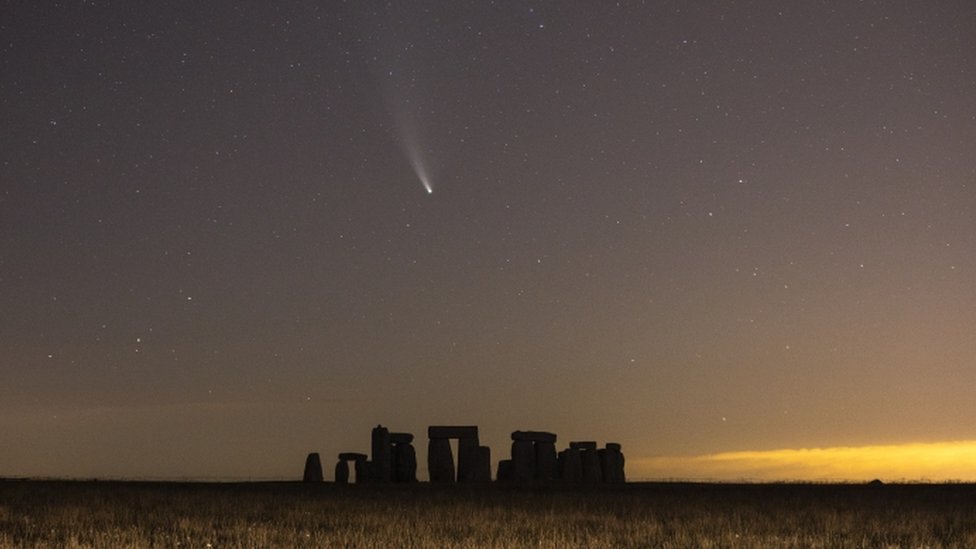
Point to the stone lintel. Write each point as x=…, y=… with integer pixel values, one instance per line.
x=401, y=438
x=534, y=436
x=583, y=445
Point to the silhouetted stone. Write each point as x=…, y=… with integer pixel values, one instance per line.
x=545, y=460
x=467, y=469
x=401, y=438
x=361, y=467
x=459, y=432
x=483, y=470
x=534, y=436
x=505, y=473
x=313, y=468
x=362, y=471
x=584, y=445
x=618, y=465
x=875, y=483
x=393, y=463
x=382, y=464
x=612, y=463
x=523, y=461
x=440, y=460
x=405, y=463
x=570, y=465
x=342, y=472
x=592, y=471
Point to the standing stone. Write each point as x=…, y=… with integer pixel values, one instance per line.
x=570, y=465
x=592, y=471
x=393, y=463
x=440, y=460
x=402, y=471
x=612, y=463
x=523, y=461
x=545, y=461
x=342, y=472
x=620, y=465
x=362, y=471
x=504, y=471
x=483, y=470
x=382, y=464
x=467, y=469
x=313, y=468
x=405, y=460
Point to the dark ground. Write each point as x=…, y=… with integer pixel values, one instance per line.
x=35, y=513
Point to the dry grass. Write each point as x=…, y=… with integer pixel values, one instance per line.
x=118, y=514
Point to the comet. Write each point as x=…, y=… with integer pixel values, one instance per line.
x=403, y=74
x=413, y=152
x=424, y=178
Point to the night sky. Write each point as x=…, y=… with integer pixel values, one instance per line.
x=688, y=227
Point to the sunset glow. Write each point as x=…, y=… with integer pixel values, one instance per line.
x=922, y=461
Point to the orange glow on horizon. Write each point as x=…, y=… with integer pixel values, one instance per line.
x=928, y=461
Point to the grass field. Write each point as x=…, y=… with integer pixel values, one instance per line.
x=145, y=514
